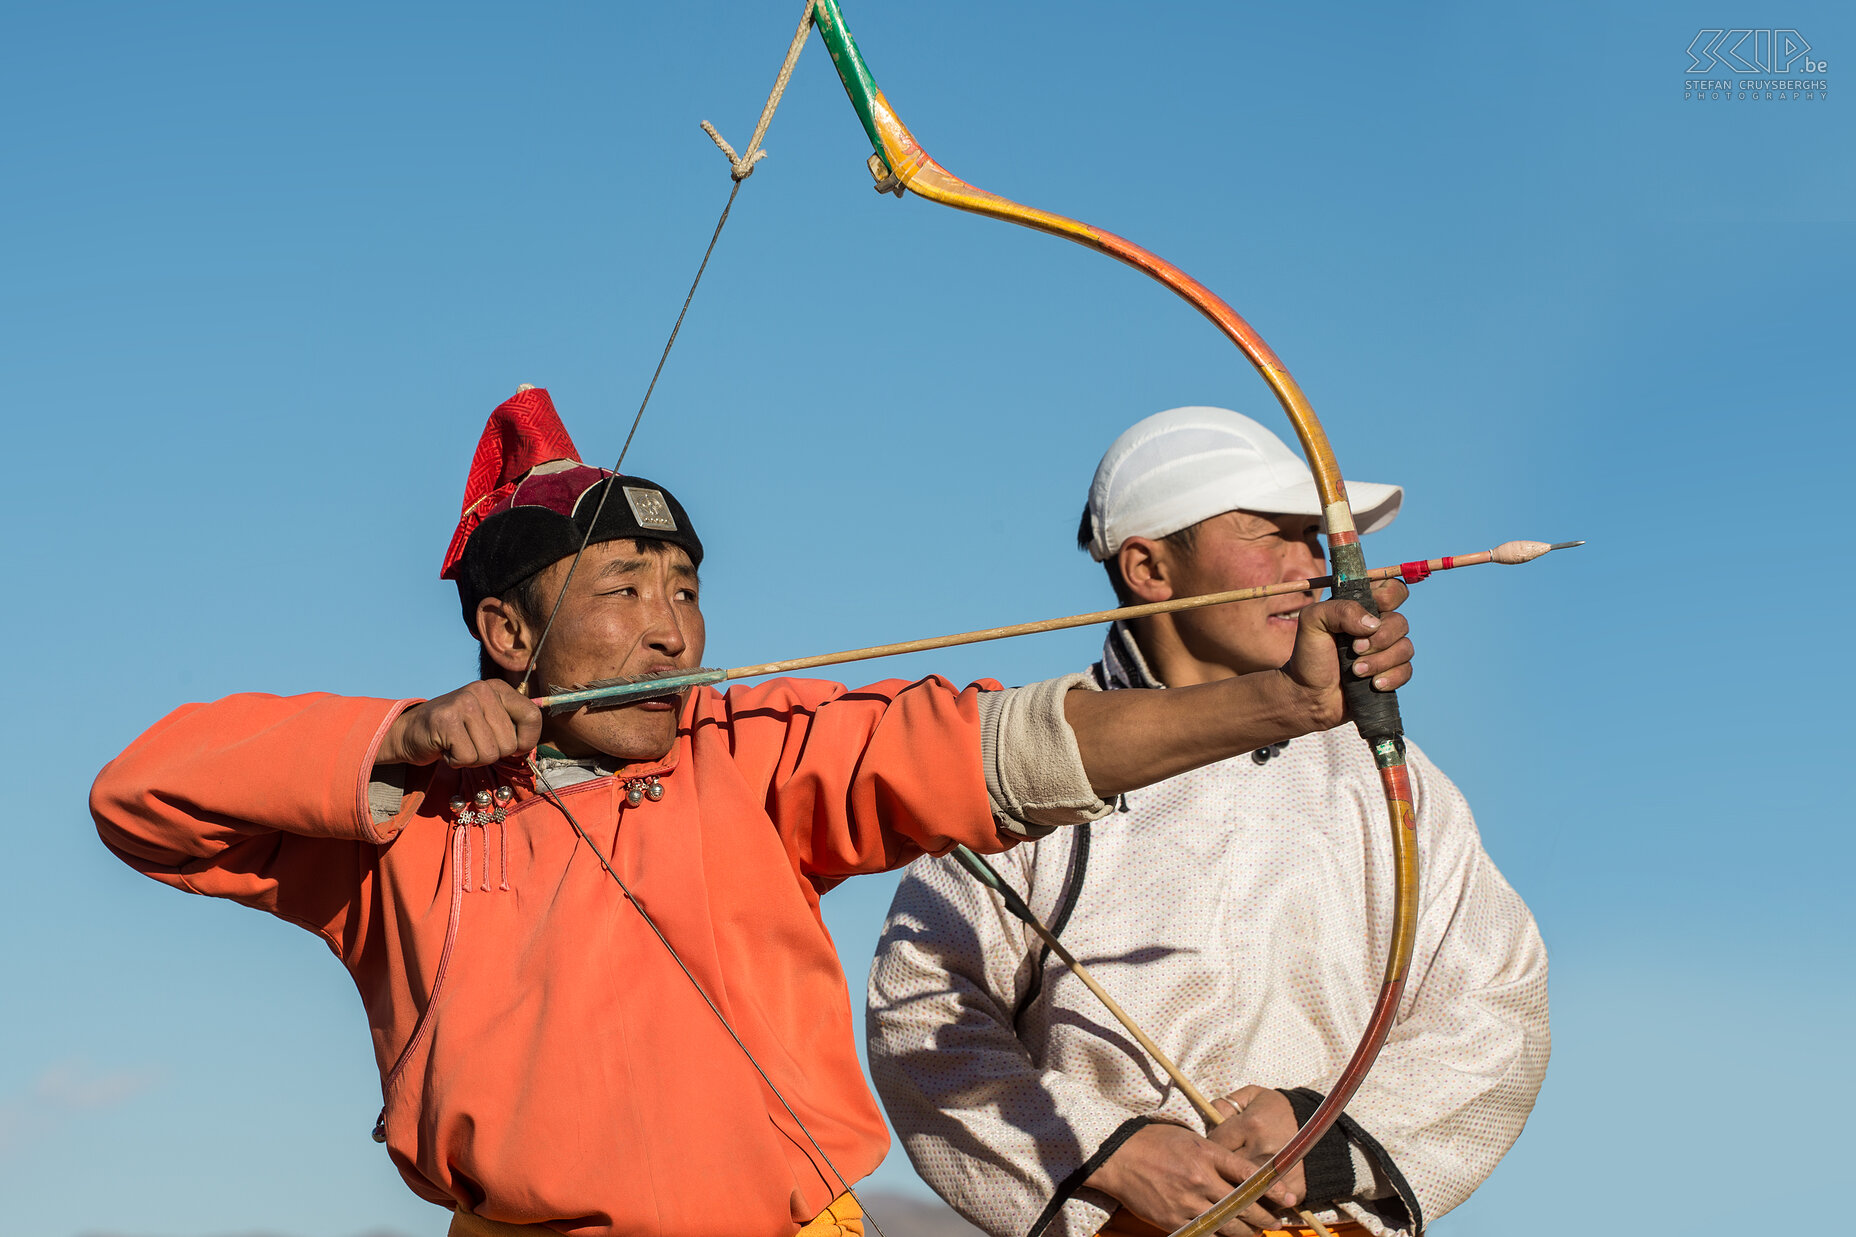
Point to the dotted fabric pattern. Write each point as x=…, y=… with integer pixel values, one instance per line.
x=1241, y=914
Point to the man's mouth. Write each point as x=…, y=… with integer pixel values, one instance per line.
x=644, y=704
x=656, y=704
x=665, y=702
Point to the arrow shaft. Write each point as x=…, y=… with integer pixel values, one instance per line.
x=1512, y=552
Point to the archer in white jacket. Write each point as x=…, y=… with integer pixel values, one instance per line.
x=1240, y=913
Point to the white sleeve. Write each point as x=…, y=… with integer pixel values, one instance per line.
x=1460, y=1070
x=996, y=1136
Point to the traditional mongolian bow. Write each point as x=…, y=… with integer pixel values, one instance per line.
x=899, y=163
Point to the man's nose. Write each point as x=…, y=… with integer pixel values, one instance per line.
x=1304, y=560
x=665, y=633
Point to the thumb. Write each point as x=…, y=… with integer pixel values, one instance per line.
x=522, y=712
x=1315, y=663
x=1338, y=619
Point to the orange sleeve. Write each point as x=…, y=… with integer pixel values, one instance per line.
x=866, y=779
x=260, y=799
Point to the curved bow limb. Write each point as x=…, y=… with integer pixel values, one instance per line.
x=914, y=169
x=906, y=165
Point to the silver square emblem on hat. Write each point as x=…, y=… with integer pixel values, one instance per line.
x=650, y=509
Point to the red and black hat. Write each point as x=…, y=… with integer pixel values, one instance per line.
x=529, y=501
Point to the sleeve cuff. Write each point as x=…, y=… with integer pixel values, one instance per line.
x=1071, y=1188
x=382, y=798
x=1034, y=772
x=386, y=791
x=1328, y=1168
x=1368, y=1182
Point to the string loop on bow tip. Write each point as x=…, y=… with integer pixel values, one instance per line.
x=741, y=166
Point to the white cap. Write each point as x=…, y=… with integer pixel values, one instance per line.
x=1184, y=465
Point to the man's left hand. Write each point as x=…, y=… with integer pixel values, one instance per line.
x=1257, y=1122
x=1131, y=739
x=1382, y=643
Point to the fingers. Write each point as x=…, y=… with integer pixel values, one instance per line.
x=1231, y=1133
x=1167, y=1175
x=1390, y=670
x=1326, y=622
x=1315, y=667
x=1352, y=619
x=482, y=723
x=1385, y=655
x=1243, y=1097
x=1389, y=595
x=522, y=712
x=1236, y=1169
x=1238, y=1228
x=1383, y=644
x=472, y=739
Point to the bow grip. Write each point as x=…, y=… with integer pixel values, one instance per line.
x=1374, y=712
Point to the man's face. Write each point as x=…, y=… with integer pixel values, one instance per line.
x=631, y=609
x=1238, y=549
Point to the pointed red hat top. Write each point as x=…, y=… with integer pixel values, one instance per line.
x=523, y=431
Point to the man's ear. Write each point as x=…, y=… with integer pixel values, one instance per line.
x=1146, y=569
x=504, y=633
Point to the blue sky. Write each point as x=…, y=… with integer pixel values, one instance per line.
x=267, y=268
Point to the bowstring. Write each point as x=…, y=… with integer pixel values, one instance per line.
x=742, y=167
x=599, y=508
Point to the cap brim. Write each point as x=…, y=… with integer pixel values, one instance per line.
x=1374, y=503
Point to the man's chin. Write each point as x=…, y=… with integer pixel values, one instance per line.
x=630, y=736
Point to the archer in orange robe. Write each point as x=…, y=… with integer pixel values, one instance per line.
x=543, y=1057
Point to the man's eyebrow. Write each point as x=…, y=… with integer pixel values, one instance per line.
x=626, y=566
x=622, y=566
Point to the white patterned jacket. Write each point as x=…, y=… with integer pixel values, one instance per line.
x=1240, y=914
